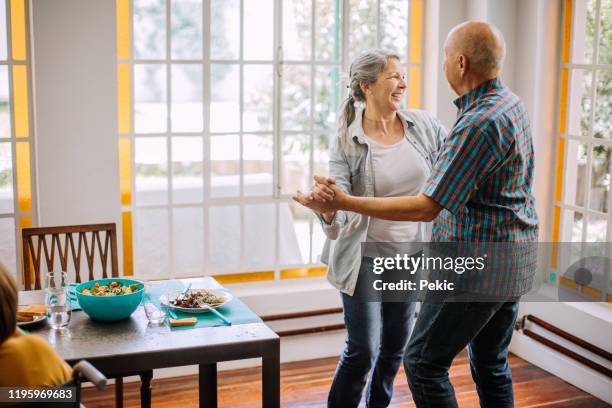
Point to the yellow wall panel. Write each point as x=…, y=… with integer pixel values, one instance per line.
x=414, y=88
x=244, y=277
x=125, y=171
x=18, y=30
x=24, y=185
x=563, y=100
x=416, y=31
x=20, y=101
x=123, y=29
x=128, y=255
x=555, y=236
x=559, y=172
x=124, y=96
x=303, y=272
x=567, y=31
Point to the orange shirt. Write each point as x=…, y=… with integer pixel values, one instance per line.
x=29, y=361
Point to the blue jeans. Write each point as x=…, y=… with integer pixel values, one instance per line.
x=377, y=333
x=441, y=332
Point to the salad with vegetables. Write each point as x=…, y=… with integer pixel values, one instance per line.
x=112, y=289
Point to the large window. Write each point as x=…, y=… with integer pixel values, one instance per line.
x=582, y=209
x=226, y=107
x=16, y=141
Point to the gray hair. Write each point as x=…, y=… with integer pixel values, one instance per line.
x=366, y=67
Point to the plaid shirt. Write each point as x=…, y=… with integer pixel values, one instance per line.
x=484, y=173
x=483, y=177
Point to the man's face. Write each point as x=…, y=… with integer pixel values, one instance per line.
x=451, y=70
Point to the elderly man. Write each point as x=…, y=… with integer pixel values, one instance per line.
x=480, y=190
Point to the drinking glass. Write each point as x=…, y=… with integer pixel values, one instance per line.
x=57, y=300
x=155, y=312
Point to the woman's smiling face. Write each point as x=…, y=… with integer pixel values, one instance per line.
x=387, y=92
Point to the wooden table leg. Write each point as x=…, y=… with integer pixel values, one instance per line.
x=119, y=392
x=145, y=389
x=208, y=385
x=270, y=376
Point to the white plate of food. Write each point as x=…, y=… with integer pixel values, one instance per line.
x=196, y=300
x=24, y=321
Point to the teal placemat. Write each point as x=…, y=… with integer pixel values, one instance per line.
x=235, y=311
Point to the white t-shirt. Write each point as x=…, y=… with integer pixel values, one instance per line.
x=399, y=170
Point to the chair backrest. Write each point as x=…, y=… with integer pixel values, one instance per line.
x=36, y=242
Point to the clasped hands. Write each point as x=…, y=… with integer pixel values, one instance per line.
x=324, y=197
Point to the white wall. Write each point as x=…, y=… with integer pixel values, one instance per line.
x=75, y=92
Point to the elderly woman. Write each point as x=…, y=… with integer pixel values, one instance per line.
x=26, y=361
x=380, y=151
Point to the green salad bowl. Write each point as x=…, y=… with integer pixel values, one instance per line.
x=110, y=308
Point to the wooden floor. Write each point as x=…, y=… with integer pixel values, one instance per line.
x=306, y=383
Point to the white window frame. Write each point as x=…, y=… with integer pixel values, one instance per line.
x=278, y=64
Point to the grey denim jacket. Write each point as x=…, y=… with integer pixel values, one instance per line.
x=350, y=163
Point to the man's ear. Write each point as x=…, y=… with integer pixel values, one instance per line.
x=462, y=63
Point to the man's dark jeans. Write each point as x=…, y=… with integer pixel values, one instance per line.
x=441, y=332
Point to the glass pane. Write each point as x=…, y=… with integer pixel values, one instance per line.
x=363, y=26
x=225, y=98
x=225, y=29
x=327, y=97
x=7, y=244
x=297, y=15
x=296, y=97
x=188, y=241
x=575, y=173
x=187, y=178
x=257, y=114
x=3, y=29
x=580, y=102
x=583, y=31
x=318, y=241
x=224, y=238
x=596, y=229
x=605, y=32
x=294, y=241
x=321, y=155
x=257, y=163
x=149, y=29
x=600, y=178
x=151, y=242
x=151, y=170
x=394, y=27
x=150, y=107
x=258, y=29
x=5, y=110
x=224, y=166
x=602, y=125
x=6, y=178
x=186, y=29
x=572, y=226
x=327, y=26
x=259, y=236
x=187, y=107
x=295, y=164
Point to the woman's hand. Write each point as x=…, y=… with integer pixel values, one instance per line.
x=324, y=202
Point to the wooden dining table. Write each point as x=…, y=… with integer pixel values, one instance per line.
x=132, y=346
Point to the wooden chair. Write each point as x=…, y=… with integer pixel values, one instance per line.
x=32, y=254
x=71, y=242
